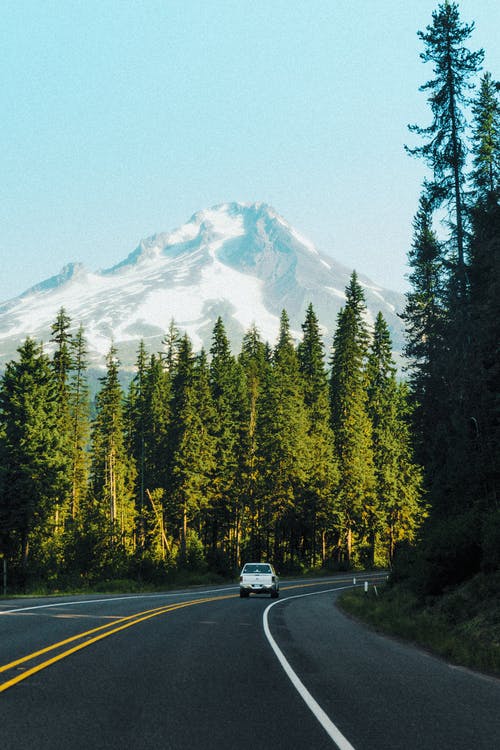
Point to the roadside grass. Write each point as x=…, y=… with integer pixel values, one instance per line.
x=462, y=625
x=169, y=580
x=177, y=580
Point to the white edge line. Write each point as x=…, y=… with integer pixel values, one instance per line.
x=111, y=598
x=325, y=721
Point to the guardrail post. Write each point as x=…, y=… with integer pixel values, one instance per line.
x=366, y=587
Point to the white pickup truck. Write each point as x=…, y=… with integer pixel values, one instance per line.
x=259, y=578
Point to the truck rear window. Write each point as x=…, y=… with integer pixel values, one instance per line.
x=257, y=569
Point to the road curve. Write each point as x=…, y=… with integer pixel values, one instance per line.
x=379, y=692
x=195, y=670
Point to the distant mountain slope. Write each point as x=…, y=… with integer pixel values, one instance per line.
x=243, y=262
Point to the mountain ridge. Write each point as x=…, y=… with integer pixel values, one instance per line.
x=242, y=261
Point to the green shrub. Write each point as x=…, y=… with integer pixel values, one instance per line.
x=462, y=625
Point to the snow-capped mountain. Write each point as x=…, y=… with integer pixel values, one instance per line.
x=243, y=262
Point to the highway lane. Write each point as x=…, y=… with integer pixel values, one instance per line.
x=198, y=677
x=380, y=692
x=204, y=676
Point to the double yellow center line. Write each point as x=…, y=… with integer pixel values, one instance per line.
x=103, y=632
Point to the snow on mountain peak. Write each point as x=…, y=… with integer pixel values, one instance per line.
x=242, y=261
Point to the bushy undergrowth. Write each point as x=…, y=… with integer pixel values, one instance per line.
x=174, y=579
x=462, y=625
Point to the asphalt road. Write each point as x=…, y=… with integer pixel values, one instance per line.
x=196, y=671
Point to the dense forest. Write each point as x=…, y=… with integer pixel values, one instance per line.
x=306, y=458
x=207, y=460
x=452, y=313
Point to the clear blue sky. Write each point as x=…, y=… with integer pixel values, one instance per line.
x=121, y=118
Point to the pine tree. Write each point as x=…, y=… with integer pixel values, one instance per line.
x=205, y=442
x=61, y=359
x=445, y=150
x=352, y=428
x=426, y=320
x=398, y=478
x=311, y=360
x=486, y=141
x=147, y=420
x=445, y=380
x=283, y=450
x=224, y=382
x=171, y=342
x=255, y=364
x=442, y=354
x=136, y=426
x=62, y=365
x=79, y=408
x=191, y=443
x=157, y=397
x=32, y=463
x=323, y=470
x=112, y=472
x=484, y=395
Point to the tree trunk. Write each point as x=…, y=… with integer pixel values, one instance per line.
x=349, y=543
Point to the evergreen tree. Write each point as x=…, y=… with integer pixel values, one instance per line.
x=112, y=472
x=484, y=395
x=486, y=141
x=351, y=427
x=136, y=426
x=31, y=459
x=485, y=287
x=79, y=408
x=147, y=421
x=424, y=314
x=255, y=364
x=445, y=150
x=398, y=479
x=158, y=414
x=191, y=443
x=283, y=450
x=448, y=379
x=61, y=359
x=171, y=342
x=323, y=470
x=157, y=396
x=226, y=395
x=62, y=365
x=311, y=360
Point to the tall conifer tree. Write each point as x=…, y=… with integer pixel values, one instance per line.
x=136, y=428
x=283, y=448
x=351, y=426
x=112, y=470
x=398, y=478
x=447, y=384
x=32, y=462
x=254, y=361
x=486, y=141
x=224, y=388
x=62, y=364
x=191, y=442
x=445, y=150
x=322, y=470
x=426, y=319
x=79, y=405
